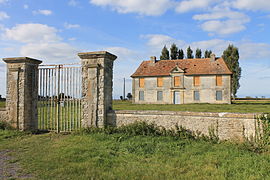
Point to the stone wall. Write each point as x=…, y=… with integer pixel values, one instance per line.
x=231, y=126
x=3, y=114
x=207, y=90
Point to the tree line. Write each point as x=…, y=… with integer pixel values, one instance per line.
x=230, y=56
x=176, y=53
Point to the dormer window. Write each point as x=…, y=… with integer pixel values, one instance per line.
x=176, y=81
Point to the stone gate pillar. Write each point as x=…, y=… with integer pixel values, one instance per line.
x=97, y=75
x=22, y=92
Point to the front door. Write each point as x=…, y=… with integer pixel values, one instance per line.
x=176, y=99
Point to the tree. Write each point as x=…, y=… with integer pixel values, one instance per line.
x=174, y=51
x=189, y=53
x=198, y=53
x=129, y=96
x=165, y=54
x=207, y=54
x=180, y=54
x=231, y=57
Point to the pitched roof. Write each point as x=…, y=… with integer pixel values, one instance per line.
x=190, y=66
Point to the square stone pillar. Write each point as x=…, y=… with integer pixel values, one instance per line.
x=97, y=75
x=22, y=92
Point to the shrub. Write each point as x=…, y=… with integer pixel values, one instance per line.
x=4, y=125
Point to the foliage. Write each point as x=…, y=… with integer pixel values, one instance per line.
x=198, y=53
x=207, y=53
x=180, y=54
x=165, y=55
x=174, y=51
x=129, y=96
x=231, y=57
x=5, y=126
x=189, y=53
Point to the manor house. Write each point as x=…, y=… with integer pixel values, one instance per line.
x=206, y=80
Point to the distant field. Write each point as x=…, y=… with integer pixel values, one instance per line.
x=235, y=107
x=2, y=104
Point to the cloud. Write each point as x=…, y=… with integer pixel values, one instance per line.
x=222, y=22
x=71, y=26
x=188, y=5
x=45, y=12
x=32, y=33
x=252, y=5
x=40, y=41
x=3, y=15
x=142, y=7
x=25, y=6
x=3, y=1
x=73, y=3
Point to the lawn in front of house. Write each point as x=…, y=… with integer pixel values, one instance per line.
x=235, y=107
x=119, y=156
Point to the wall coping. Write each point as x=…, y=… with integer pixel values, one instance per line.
x=22, y=60
x=188, y=113
x=97, y=54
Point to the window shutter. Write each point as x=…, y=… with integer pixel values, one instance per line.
x=141, y=82
x=159, y=81
x=196, y=80
x=176, y=81
x=219, y=80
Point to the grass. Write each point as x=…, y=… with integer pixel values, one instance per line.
x=119, y=156
x=236, y=107
x=2, y=104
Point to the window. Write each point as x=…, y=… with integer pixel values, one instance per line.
x=141, y=82
x=218, y=80
x=141, y=95
x=176, y=81
x=159, y=82
x=159, y=95
x=196, y=95
x=196, y=80
x=219, y=95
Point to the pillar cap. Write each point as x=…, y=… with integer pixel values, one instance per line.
x=22, y=60
x=97, y=54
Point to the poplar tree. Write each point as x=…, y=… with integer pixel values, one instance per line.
x=189, y=53
x=165, y=54
x=231, y=57
x=207, y=53
x=174, y=51
x=198, y=53
x=180, y=54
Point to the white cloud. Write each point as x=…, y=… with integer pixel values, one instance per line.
x=253, y=5
x=222, y=22
x=143, y=7
x=3, y=15
x=73, y=3
x=40, y=41
x=32, y=33
x=122, y=52
x=3, y=1
x=45, y=12
x=25, y=6
x=71, y=26
x=188, y=5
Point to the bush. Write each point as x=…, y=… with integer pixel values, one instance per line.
x=5, y=126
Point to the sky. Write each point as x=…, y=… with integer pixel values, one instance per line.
x=54, y=31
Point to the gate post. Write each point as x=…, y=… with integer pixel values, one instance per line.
x=22, y=92
x=97, y=75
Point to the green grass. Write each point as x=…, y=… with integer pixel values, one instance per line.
x=2, y=104
x=118, y=156
x=236, y=107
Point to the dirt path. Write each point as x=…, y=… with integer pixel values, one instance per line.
x=10, y=169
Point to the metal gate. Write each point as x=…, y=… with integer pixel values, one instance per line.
x=59, y=97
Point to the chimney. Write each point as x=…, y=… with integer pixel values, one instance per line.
x=153, y=59
x=212, y=57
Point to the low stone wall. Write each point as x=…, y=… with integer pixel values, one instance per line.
x=3, y=114
x=233, y=126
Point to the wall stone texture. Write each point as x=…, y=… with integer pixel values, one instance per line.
x=227, y=126
x=3, y=114
x=97, y=75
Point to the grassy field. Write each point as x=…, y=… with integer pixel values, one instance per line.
x=236, y=107
x=119, y=156
x=2, y=104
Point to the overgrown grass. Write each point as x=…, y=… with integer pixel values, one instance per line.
x=138, y=151
x=236, y=107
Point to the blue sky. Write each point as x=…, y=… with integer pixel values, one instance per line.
x=56, y=30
